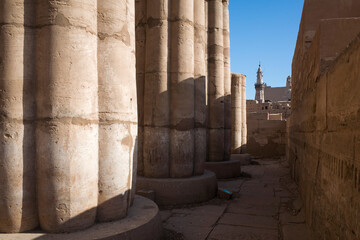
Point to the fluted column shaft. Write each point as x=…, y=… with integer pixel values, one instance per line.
x=243, y=115
x=140, y=29
x=174, y=109
x=236, y=113
x=67, y=90
x=216, y=81
x=227, y=81
x=67, y=113
x=117, y=107
x=156, y=140
x=182, y=89
x=200, y=78
x=18, y=210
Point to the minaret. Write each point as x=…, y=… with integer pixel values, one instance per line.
x=288, y=82
x=259, y=86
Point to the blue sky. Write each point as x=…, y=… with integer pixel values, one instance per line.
x=266, y=31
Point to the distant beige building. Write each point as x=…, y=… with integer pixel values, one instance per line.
x=283, y=108
x=271, y=100
x=266, y=93
x=266, y=115
x=278, y=94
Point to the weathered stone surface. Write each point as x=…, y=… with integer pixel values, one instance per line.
x=174, y=139
x=216, y=93
x=227, y=81
x=245, y=159
x=323, y=127
x=143, y=220
x=180, y=191
x=194, y=223
x=243, y=233
x=182, y=98
x=225, y=169
x=243, y=115
x=83, y=77
x=236, y=112
x=249, y=221
x=117, y=109
x=175, y=88
x=140, y=33
x=256, y=210
x=282, y=108
x=17, y=115
x=67, y=113
x=156, y=109
x=266, y=138
x=201, y=84
x=296, y=232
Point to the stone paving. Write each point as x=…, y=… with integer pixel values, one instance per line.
x=263, y=207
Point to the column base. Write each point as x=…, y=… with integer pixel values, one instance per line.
x=180, y=191
x=244, y=158
x=225, y=169
x=142, y=222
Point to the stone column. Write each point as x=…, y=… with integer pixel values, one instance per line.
x=216, y=81
x=156, y=92
x=200, y=76
x=140, y=30
x=18, y=211
x=243, y=115
x=117, y=107
x=182, y=89
x=227, y=81
x=236, y=113
x=174, y=102
x=67, y=113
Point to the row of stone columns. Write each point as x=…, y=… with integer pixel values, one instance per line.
x=68, y=119
x=184, y=86
x=171, y=45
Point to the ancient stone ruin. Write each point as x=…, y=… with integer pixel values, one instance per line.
x=266, y=118
x=109, y=109
x=68, y=103
x=172, y=100
x=323, y=127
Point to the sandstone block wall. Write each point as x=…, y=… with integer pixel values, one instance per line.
x=283, y=108
x=68, y=113
x=323, y=128
x=266, y=137
x=313, y=13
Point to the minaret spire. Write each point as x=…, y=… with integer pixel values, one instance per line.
x=259, y=79
x=259, y=85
